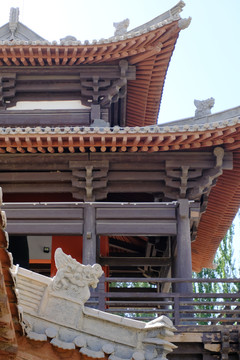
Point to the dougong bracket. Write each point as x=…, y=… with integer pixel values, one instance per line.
x=89, y=179
x=7, y=87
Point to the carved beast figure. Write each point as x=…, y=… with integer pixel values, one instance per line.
x=204, y=106
x=121, y=27
x=74, y=279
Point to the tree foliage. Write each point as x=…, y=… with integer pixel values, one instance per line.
x=224, y=269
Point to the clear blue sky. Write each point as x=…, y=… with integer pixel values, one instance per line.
x=206, y=58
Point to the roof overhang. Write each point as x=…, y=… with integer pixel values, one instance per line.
x=148, y=47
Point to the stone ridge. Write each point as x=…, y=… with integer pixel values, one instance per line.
x=158, y=22
x=152, y=129
x=56, y=318
x=153, y=138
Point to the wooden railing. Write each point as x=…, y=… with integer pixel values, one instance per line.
x=131, y=298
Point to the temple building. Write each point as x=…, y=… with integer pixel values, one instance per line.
x=95, y=190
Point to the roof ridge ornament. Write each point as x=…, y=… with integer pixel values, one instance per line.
x=13, y=21
x=121, y=27
x=67, y=38
x=204, y=107
x=184, y=23
x=175, y=10
x=74, y=279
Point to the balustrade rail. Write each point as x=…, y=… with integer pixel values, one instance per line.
x=147, y=298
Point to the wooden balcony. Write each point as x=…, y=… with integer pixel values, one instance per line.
x=142, y=299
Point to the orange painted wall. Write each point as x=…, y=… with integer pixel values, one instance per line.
x=71, y=245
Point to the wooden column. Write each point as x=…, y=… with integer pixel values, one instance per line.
x=182, y=262
x=89, y=235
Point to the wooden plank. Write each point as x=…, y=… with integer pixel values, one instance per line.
x=122, y=245
x=136, y=304
x=43, y=205
x=136, y=213
x=44, y=213
x=134, y=261
x=45, y=117
x=135, y=227
x=56, y=73
x=36, y=188
x=211, y=311
x=173, y=158
x=119, y=162
x=89, y=235
x=44, y=228
x=136, y=295
x=142, y=310
x=190, y=337
x=221, y=320
x=136, y=186
x=136, y=175
x=27, y=177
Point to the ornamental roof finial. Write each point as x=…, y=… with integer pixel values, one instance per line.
x=121, y=27
x=204, y=107
x=13, y=21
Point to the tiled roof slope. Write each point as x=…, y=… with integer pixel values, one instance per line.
x=223, y=204
x=154, y=138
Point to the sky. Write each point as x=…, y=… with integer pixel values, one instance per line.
x=206, y=60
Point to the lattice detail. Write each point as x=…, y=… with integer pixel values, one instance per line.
x=7, y=87
x=104, y=91
x=187, y=181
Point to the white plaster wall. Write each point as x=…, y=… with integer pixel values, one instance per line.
x=36, y=244
x=48, y=105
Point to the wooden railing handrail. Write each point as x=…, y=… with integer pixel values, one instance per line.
x=184, y=309
x=171, y=280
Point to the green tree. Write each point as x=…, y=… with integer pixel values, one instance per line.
x=224, y=269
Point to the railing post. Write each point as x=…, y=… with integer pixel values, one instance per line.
x=101, y=293
x=176, y=310
x=89, y=235
x=182, y=261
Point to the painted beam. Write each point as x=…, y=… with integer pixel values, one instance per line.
x=134, y=261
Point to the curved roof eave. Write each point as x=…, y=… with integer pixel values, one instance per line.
x=223, y=204
x=148, y=47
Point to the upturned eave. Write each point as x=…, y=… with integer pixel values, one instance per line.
x=149, y=49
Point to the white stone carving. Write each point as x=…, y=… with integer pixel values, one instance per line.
x=92, y=353
x=121, y=27
x=138, y=355
x=108, y=349
x=51, y=332
x=62, y=344
x=13, y=21
x=80, y=341
x=37, y=337
x=67, y=38
x=74, y=279
x=204, y=107
x=184, y=23
x=62, y=321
